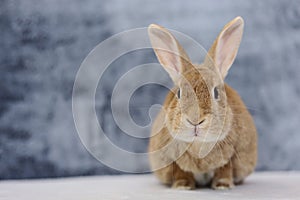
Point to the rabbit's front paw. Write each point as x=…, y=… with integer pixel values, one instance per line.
x=222, y=184
x=184, y=184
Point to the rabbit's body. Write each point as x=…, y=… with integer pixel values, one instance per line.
x=205, y=133
x=238, y=149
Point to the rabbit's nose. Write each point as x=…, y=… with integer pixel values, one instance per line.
x=195, y=123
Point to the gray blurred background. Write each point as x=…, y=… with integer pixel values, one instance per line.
x=43, y=42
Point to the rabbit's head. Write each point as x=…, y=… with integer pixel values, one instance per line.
x=197, y=109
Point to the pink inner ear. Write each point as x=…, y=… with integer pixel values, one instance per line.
x=227, y=48
x=167, y=51
x=169, y=59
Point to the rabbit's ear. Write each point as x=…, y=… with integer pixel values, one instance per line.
x=168, y=51
x=225, y=47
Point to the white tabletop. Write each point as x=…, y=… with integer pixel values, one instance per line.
x=261, y=185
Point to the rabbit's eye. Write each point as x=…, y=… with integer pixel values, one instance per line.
x=216, y=93
x=178, y=94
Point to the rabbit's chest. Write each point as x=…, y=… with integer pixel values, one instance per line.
x=196, y=165
x=203, y=179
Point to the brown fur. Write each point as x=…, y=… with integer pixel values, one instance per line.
x=228, y=153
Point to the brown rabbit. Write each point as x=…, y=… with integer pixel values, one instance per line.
x=204, y=133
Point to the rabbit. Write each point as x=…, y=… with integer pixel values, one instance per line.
x=203, y=135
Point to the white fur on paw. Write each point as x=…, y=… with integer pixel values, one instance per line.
x=183, y=185
x=223, y=184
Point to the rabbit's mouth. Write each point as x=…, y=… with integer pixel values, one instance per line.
x=199, y=134
x=189, y=134
x=197, y=131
